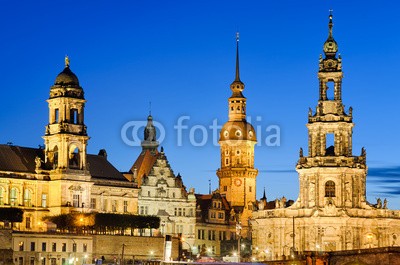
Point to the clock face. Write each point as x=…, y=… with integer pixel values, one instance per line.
x=238, y=182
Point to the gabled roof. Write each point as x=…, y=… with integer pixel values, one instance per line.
x=22, y=160
x=143, y=164
x=19, y=159
x=204, y=202
x=100, y=167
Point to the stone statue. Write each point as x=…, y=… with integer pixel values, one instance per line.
x=66, y=61
x=363, y=152
x=38, y=162
x=379, y=203
x=385, y=203
x=309, y=112
x=301, y=152
x=283, y=202
x=350, y=111
x=277, y=204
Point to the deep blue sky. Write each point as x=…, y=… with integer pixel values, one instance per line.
x=180, y=55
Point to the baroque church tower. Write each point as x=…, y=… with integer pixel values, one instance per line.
x=330, y=174
x=237, y=175
x=66, y=137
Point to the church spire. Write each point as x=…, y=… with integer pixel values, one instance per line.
x=330, y=45
x=237, y=78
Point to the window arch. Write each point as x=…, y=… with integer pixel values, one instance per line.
x=330, y=189
x=55, y=156
x=74, y=158
x=27, y=198
x=13, y=197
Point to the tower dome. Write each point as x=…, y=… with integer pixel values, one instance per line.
x=66, y=84
x=67, y=78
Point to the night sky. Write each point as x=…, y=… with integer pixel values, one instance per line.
x=180, y=56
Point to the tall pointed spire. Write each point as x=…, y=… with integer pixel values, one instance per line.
x=330, y=25
x=330, y=45
x=237, y=78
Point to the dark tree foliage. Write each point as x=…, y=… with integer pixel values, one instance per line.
x=103, y=222
x=13, y=215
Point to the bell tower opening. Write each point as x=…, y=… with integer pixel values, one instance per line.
x=74, y=161
x=330, y=90
x=329, y=144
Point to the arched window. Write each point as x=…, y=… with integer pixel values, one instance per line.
x=74, y=159
x=55, y=157
x=330, y=189
x=27, y=198
x=13, y=197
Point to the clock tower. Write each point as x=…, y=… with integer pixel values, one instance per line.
x=237, y=175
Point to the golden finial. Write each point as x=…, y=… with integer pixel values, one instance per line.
x=66, y=61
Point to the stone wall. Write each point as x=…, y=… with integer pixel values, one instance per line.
x=138, y=248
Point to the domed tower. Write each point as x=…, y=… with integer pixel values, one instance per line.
x=330, y=174
x=237, y=176
x=66, y=137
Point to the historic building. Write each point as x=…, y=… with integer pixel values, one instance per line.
x=162, y=193
x=331, y=212
x=215, y=224
x=237, y=175
x=61, y=177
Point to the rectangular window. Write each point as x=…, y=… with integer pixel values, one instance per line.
x=56, y=115
x=54, y=247
x=179, y=211
x=93, y=203
x=125, y=206
x=225, y=188
x=74, y=247
x=64, y=247
x=220, y=215
x=200, y=234
x=44, y=200
x=190, y=212
x=44, y=261
x=32, y=261
x=250, y=188
x=32, y=246
x=75, y=200
x=142, y=210
x=74, y=116
x=212, y=215
x=84, y=247
x=176, y=211
x=44, y=246
x=28, y=222
x=184, y=211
